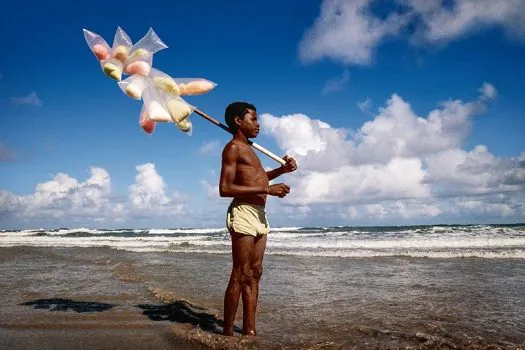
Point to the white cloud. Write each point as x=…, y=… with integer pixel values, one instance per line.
x=212, y=191
x=440, y=23
x=31, y=99
x=66, y=198
x=62, y=196
x=336, y=84
x=210, y=148
x=488, y=91
x=349, y=31
x=477, y=172
x=398, y=131
x=365, y=105
x=148, y=194
x=398, y=165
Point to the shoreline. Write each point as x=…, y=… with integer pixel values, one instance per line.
x=102, y=298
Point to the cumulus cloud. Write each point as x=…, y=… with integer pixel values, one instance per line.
x=336, y=84
x=31, y=99
x=442, y=23
x=350, y=31
x=398, y=164
x=347, y=31
x=148, y=195
x=64, y=197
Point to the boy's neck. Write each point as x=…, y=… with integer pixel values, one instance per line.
x=239, y=136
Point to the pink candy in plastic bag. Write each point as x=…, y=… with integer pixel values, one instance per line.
x=140, y=58
x=133, y=86
x=194, y=86
x=145, y=122
x=140, y=66
x=97, y=44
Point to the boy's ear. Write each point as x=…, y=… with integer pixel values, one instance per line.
x=237, y=120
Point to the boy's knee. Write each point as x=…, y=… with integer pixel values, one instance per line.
x=245, y=273
x=257, y=271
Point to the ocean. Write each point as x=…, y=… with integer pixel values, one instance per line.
x=446, y=286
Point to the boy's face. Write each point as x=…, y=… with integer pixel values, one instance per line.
x=249, y=125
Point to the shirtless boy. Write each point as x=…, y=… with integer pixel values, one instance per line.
x=244, y=179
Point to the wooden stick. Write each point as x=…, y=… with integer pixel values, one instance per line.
x=253, y=144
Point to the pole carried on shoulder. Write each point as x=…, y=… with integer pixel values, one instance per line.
x=253, y=144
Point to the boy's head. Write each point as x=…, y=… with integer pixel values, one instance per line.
x=236, y=110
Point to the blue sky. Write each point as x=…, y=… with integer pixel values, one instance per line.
x=357, y=91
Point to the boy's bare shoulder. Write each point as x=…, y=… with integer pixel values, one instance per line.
x=233, y=150
x=235, y=146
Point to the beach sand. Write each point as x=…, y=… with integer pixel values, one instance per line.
x=102, y=298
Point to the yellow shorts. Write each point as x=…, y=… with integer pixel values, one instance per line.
x=247, y=219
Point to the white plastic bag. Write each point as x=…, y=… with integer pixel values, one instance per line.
x=114, y=65
x=97, y=44
x=149, y=42
x=194, y=86
x=139, y=63
x=133, y=86
x=155, y=105
x=140, y=58
x=145, y=122
x=185, y=126
x=164, y=82
x=121, y=45
x=112, y=68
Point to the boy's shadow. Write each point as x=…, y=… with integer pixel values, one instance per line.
x=179, y=311
x=183, y=312
x=59, y=304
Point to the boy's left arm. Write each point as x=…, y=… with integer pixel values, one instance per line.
x=288, y=167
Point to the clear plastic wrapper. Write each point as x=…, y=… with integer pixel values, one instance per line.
x=154, y=105
x=177, y=107
x=97, y=44
x=164, y=82
x=140, y=66
x=185, y=126
x=133, y=86
x=145, y=122
x=121, y=45
x=112, y=68
x=149, y=42
x=194, y=86
x=141, y=54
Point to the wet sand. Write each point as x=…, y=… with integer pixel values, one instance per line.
x=102, y=298
x=58, y=302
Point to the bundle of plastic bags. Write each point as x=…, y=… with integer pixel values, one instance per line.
x=160, y=93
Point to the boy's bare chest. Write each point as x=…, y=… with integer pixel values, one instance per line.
x=250, y=169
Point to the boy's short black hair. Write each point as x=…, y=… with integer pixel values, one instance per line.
x=236, y=109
